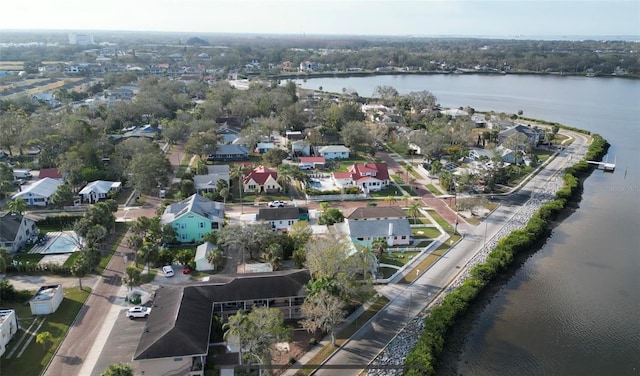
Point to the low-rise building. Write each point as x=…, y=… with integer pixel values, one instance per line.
x=194, y=217
x=263, y=180
x=46, y=300
x=99, y=190
x=281, y=219
x=16, y=230
x=38, y=193
x=333, y=152
x=9, y=326
x=366, y=176
x=367, y=224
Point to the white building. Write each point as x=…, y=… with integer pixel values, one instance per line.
x=8, y=328
x=98, y=190
x=202, y=264
x=16, y=230
x=38, y=193
x=46, y=300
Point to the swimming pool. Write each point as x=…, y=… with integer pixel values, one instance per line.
x=65, y=242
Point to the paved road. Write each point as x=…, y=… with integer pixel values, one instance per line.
x=367, y=343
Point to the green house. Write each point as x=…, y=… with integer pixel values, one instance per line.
x=194, y=217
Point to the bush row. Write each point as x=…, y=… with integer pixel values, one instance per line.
x=423, y=358
x=545, y=122
x=59, y=220
x=38, y=267
x=348, y=190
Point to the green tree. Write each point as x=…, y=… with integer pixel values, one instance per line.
x=149, y=171
x=273, y=255
x=44, y=338
x=414, y=209
x=330, y=216
x=214, y=257
x=202, y=144
x=323, y=311
x=256, y=332
x=251, y=239
x=63, y=195
x=379, y=246
x=17, y=205
x=390, y=200
x=119, y=369
x=185, y=256
x=273, y=157
x=133, y=277
x=81, y=267
x=357, y=136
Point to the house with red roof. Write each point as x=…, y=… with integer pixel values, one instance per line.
x=263, y=180
x=52, y=173
x=311, y=162
x=366, y=176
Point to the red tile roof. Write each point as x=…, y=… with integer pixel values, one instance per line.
x=260, y=175
x=312, y=160
x=341, y=175
x=52, y=173
x=377, y=171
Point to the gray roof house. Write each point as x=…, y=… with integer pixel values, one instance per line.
x=177, y=333
x=229, y=153
x=534, y=135
x=38, y=193
x=370, y=223
x=207, y=183
x=281, y=219
x=16, y=230
x=194, y=217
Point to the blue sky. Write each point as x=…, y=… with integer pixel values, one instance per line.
x=360, y=17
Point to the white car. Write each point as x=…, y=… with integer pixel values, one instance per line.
x=168, y=271
x=137, y=312
x=276, y=204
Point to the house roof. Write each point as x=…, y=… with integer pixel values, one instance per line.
x=44, y=187
x=9, y=226
x=312, y=160
x=194, y=204
x=380, y=170
x=379, y=228
x=277, y=214
x=218, y=169
x=177, y=323
x=231, y=150
x=52, y=173
x=265, y=145
x=260, y=175
x=202, y=249
x=382, y=212
x=99, y=186
x=333, y=149
x=342, y=175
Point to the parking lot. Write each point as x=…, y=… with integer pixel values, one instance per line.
x=121, y=344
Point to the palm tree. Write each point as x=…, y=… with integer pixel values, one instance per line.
x=285, y=176
x=236, y=326
x=18, y=205
x=379, y=246
x=414, y=209
x=390, y=200
x=273, y=255
x=214, y=257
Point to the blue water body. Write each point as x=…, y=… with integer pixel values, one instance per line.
x=573, y=308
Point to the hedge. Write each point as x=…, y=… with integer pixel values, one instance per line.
x=423, y=358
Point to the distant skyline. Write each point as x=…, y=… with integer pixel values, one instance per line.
x=509, y=19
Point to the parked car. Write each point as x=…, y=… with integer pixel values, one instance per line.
x=168, y=271
x=306, y=167
x=186, y=270
x=138, y=312
x=276, y=204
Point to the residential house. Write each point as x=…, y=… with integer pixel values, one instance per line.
x=16, y=230
x=200, y=259
x=99, y=190
x=300, y=148
x=367, y=224
x=263, y=180
x=294, y=135
x=9, y=326
x=309, y=66
x=209, y=182
x=38, y=193
x=454, y=113
x=194, y=217
x=229, y=153
x=333, y=152
x=263, y=147
x=281, y=219
x=46, y=300
x=480, y=153
x=366, y=176
x=229, y=133
x=312, y=162
x=535, y=135
x=178, y=331
x=287, y=66
x=509, y=156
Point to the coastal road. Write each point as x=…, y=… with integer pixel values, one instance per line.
x=371, y=339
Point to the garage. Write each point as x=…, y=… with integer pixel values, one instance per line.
x=46, y=300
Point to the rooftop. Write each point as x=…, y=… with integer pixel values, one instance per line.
x=46, y=293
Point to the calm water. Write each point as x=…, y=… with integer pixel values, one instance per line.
x=573, y=308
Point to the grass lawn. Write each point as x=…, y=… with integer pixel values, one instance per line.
x=345, y=333
x=444, y=224
x=429, y=260
x=398, y=258
x=432, y=188
x=389, y=191
x=31, y=258
x=425, y=232
x=36, y=356
x=387, y=272
x=409, y=190
x=397, y=179
x=148, y=277
x=542, y=154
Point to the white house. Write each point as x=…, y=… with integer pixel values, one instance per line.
x=366, y=176
x=263, y=147
x=300, y=147
x=99, y=189
x=16, y=230
x=38, y=193
x=262, y=179
x=201, y=257
x=46, y=300
x=280, y=219
x=8, y=327
x=333, y=152
x=311, y=162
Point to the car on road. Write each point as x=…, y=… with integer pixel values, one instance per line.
x=276, y=204
x=168, y=271
x=138, y=312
